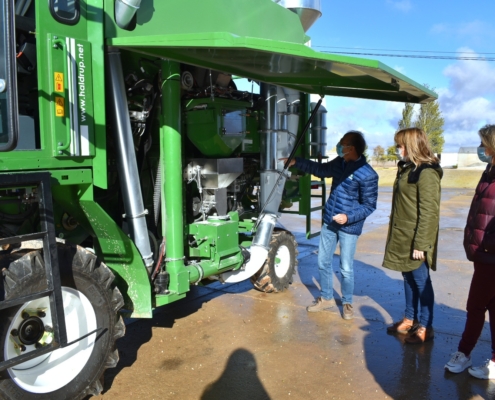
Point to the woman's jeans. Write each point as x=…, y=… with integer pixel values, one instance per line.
x=328, y=244
x=480, y=299
x=419, y=291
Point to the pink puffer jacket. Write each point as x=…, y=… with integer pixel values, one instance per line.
x=479, y=234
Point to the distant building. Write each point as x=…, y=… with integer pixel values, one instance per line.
x=449, y=160
x=468, y=158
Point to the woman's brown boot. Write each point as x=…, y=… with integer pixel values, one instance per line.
x=403, y=326
x=421, y=335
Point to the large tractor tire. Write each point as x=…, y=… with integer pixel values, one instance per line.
x=277, y=272
x=90, y=302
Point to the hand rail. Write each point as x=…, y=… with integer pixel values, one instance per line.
x=56, y=44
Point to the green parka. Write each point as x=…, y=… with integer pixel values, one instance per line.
x=415, y=216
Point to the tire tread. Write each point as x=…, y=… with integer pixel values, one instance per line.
x=265, y=280
x=27, y=269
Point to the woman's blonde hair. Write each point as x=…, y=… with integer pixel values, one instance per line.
x=487, y=135
x=416, y=143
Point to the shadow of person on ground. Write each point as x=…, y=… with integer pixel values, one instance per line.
x=239, y=380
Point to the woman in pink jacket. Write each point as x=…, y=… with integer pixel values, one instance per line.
x=479, y=243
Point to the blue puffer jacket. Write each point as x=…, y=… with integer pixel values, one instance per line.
x=354, y=191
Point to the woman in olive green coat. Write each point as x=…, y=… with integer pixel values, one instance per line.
x=413, y=231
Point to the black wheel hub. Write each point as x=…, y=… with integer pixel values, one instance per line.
x=31, y=330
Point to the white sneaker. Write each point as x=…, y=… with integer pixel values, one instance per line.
x=485, y=371
x=459, y=362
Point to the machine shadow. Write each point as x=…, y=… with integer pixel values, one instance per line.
x=139, y=332
x=239, y=380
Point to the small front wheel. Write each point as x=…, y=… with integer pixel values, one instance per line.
x=276, y=273
x=90, y=302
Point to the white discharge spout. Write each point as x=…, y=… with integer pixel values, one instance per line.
x=258, y=258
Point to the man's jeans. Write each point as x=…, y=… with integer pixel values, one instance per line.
x=418, y=289
x=328, y=244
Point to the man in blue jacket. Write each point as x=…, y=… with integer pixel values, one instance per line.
x=352, y=198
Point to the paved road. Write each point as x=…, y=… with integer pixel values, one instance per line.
x=232, y=342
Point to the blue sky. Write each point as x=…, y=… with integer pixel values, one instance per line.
x=466, y=88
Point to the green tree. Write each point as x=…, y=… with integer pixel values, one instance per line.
x=379, y=154
x=407, y=114
x=431, y=121
x=391, y=154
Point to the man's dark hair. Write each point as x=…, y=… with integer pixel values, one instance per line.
x=357, y=140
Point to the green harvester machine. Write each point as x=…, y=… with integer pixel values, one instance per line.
x=133, y=167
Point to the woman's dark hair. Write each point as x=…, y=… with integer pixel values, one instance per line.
x=357, y=140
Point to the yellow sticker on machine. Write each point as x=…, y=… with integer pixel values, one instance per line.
x=59, y=106
x=59, y=81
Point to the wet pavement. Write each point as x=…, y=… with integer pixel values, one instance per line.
x=232, y=342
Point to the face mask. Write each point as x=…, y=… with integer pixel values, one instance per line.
x=340, y=150
x=399, y=155
x=482, y=156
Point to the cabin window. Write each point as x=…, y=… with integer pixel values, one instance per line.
x=65, y=11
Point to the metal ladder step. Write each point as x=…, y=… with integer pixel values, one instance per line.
x=40, y=181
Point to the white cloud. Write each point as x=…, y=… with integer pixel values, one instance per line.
x=403, y=5
x=470, y=78
x=469, y=101
x=376, y=119
x=477, y=31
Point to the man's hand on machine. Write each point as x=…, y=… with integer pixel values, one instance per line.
x=292, y=162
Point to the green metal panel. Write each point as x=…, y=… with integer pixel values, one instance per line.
x=72, y=97
x=71, y=177
x=251, y=143
x=51, y=33
x=217, y=241
x=214, y=238
x=222, y=264
x=171, y=159
x=245, y=47
x=113, y=246
x=207, y=126
x=95, y=19
x=117, y=251
x=163, y=299
x=305, y=191
x=25, y=160
x=244, y=18
x=54, y=129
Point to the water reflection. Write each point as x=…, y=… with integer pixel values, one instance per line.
x=407, y=371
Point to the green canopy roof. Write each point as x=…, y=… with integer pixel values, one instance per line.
x=260, y=40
